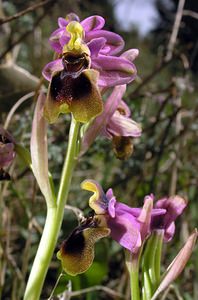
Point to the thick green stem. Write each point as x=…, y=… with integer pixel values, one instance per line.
x=68, y=165
x=134, y=282
x=53, y=222
x=133, y=262
x=148, y=274
x=43, y=256
x=151, y=264
x=157, y=262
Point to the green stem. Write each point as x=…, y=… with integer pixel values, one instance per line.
x=133, y=264
x=134, y=282
x=151, y=264
x=68, y=165
x=148, y=274
x=53, y=222
x=157, y=262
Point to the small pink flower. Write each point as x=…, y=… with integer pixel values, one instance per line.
x=114, y=123
x=174, y=207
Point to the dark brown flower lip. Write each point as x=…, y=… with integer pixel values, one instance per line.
x=63, y=86
x=76, y=240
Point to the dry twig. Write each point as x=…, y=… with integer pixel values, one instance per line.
x=175, y=30
x=24, y=12
x=105, y=289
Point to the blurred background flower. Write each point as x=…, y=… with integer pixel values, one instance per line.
x=7, y=152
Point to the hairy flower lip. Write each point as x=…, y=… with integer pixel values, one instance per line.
x=77, y=251
x=76, y=93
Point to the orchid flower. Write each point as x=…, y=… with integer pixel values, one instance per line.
x=85, y=63
x=103, y=46
x=73, y=88
x=120, y=129
x=114, y=123
x=128, y=226
x=7, y=152
x=174, y=207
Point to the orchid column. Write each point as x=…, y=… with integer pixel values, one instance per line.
x=86, y=67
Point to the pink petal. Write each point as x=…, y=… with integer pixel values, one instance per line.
x=145, y=217
x=130, y=54
x=93, y=23
x=70, y=17
x=111, y=207
x=54, y=40
x=114, y=42
x=125, y=108
x=95, y=46
x=174, y=206
x=169, y=232
x=51, y=67
x=119, y=125
x=113, y=70
x=124, y=230
x=64, y=39
x=62, y=22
